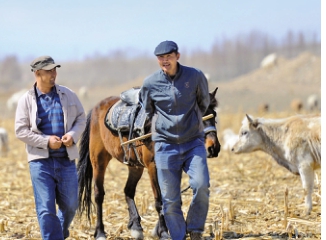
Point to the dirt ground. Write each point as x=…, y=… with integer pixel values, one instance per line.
x=248, y=191
x=246, y=202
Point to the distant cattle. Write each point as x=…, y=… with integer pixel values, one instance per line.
x=313, y=103
x=13, y=100
x=269, y=61
x=294, y=142
x=263, y=108
x=4, y=145
x=229, y=139
x=296, y=105
x=83, y=92
x=208, y=76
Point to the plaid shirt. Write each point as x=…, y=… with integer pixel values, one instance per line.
x=50, y=119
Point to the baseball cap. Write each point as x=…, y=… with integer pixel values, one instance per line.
x=165, y=48
x=43, y=62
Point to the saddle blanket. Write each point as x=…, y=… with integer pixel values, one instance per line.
x=126, y=115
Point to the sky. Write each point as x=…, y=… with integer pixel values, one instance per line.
x=72, y=30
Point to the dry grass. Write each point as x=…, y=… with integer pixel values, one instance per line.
x=248, y=196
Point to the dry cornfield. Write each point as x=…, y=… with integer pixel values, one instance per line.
x=251, y=197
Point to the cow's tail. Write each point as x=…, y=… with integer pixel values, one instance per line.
x=85, y=173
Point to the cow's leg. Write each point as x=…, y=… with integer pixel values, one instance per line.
x=307, y=178
x=134, y=225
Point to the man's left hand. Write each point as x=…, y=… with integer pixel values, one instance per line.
x=67, y=140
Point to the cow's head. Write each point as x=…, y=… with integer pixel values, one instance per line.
x=250, y=138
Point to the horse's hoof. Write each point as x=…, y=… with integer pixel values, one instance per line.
x=101, y=238
x=136, y=234
x=163, y=236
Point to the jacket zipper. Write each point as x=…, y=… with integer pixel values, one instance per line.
x=176, y=107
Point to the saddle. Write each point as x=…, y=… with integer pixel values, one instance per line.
x=127, y=115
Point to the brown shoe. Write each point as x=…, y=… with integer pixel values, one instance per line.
x=195, y=236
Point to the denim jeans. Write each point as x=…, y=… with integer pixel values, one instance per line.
x=54, y=182
x=171, y=160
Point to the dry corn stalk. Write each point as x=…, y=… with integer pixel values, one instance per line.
x=222, y=220
x=2, y=225
x=231, y=211
x=286, y=208
x=119, y=230
x=303, y=221
x=218, y=235
x=210, y=229
x=144, y=203
x=108, y=210
x=28, y=229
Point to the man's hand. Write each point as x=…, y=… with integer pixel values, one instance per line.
x=67, y=140
x=54, y=142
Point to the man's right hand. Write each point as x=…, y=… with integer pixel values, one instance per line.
x=54, y=142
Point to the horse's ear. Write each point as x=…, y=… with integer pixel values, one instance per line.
x=214, y=92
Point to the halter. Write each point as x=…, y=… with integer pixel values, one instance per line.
x=210, y=129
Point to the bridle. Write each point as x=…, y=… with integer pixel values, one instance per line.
x=211, y=128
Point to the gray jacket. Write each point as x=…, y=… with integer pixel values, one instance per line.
x=36, y=142
x=176, y=106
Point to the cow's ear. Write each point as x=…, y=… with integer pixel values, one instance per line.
x=252, y=122
x=255, y=123
x=249, y=118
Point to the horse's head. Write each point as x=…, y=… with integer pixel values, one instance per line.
x=212, y=144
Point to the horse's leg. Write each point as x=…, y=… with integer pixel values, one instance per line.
x=134, y=225
x=160, y=229
x=99, y=162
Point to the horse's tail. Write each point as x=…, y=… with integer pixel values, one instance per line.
x=85, y=172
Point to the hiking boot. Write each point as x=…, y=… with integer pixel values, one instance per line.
x=195, y=236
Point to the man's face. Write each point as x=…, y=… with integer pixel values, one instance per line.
x=168, y=62
x=47, y=77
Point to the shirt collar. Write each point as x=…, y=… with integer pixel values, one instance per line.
x=39, y=93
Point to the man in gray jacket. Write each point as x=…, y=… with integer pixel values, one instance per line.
x=49, y=120
x=176, y=97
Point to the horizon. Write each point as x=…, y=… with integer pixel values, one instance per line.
x=71, y=32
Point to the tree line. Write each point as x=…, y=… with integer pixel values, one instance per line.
x=225, y=60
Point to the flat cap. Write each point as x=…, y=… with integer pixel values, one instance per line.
x=165, y=48
x=43, y=62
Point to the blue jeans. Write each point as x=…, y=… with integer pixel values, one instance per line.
x=54, y=182
x=171, y=160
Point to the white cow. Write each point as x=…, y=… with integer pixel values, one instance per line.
x=313, y=102
x=229, y=139
x=4, y=145
x=294, y=142
x=269, y=61
x=83, y=92
x=13, y=100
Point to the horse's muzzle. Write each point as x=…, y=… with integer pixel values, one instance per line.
x=213, y=146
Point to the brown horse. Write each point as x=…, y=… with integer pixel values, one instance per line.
x=98, y=145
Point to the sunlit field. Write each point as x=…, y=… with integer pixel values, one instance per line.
x=249, y=196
